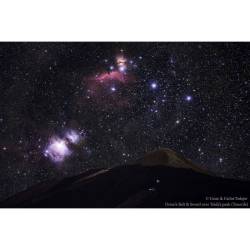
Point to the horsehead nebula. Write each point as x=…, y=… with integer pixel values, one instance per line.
x=111, y=86
x=110, y=76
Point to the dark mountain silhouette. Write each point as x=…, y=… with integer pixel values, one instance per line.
x=162, y=178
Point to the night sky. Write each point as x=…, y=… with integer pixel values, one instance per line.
x=67, y=107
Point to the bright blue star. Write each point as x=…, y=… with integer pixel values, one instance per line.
x=113, y=89
x=188, y=98
x=153, y=85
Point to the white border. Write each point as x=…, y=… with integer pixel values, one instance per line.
x=124, y=229
x=130, y=20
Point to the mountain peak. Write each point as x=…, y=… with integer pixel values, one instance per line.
x=168, y=157
x=162, y=178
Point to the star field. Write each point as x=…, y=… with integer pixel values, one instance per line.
x=67, y=107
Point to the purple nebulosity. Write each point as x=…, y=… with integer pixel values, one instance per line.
x=60, y=148
x=72, y=136
x=57, y=150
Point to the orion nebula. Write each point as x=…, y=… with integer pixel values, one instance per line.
x=59, y=149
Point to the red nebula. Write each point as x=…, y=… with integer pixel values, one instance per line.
x=109, y=89
x=111, y=76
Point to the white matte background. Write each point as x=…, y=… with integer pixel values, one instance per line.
x=127, y=20
x=124, y=20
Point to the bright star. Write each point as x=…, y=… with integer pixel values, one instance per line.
x=113, y=89
x=122, y=68
x=153, y=85
x=122, y=63
x=188, y=98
